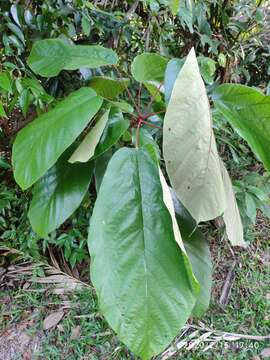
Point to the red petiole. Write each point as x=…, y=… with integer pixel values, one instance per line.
x=141, y=118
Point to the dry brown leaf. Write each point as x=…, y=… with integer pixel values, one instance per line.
x=265, y=353
x=75, y=332
x=52, y=320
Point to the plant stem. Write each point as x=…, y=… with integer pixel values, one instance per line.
x=127, y=89
x=138, y=133
x=151, y=125
x=153, y=97
x=153, y=113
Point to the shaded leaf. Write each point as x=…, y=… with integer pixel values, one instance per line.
x=136, y=263
x=58, y=194
x=149, y=67
x=251, y=208
x=14, y=10
x=2, y=110
x=48, y=57
x=198, y=251
x=186, y=14
x=115, y=128
x=101, y=164
x=248, y=111
x=17, y=31
x=86, y=149
x=5, y=81
x=51, y=134
x=189, y=146
x=107, y=87
x=24, y=101
x=207, y=68
x=123, y=106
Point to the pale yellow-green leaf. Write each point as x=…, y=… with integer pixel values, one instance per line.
x=86, y=149
x=231, y=216
x=168, y=201
x=189, y=146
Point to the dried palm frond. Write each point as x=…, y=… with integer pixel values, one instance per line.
x=31, y=271
x=205, y=338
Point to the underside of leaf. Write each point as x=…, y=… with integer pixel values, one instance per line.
x=189, y=146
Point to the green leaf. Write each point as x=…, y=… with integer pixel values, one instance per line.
x=199, y=255
x=2, y=110
x=231, y=216
x=207, y=68
x=189, y=146
x=107, y=87
x=149, y=67
x=15, y=12
x=251, y=208
x=58, y=194
x=86, y=27
x=17, y=31
x=38, y=146
x=143, y=279
x=115, y=128
x=48, y=57
x=123, y=106
x=4, y=164
x=154, y=89
x=248, y=111
x=259, y=193
x=186, y=14
x=86, y=149
x=5, y=81
x=24, y=101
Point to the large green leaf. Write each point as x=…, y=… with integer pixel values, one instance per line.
x=86, y=149
x=248, y=111
x=189, y=146
x=38, y=146
x=149, y=67
x=231, y=216
x=115, y=128
x=107, y=87
x=143, y=279
x=58, y=194
x=199, y=255
x=48, y=57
